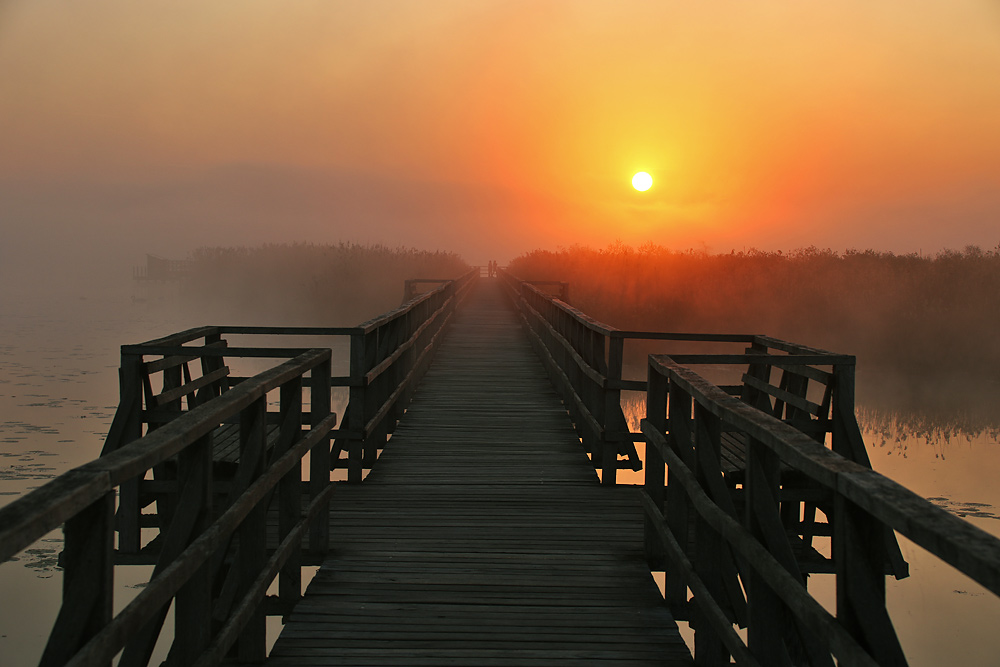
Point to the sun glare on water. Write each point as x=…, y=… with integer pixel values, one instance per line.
x=642, y=181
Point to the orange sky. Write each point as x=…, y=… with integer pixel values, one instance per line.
x=492, y=128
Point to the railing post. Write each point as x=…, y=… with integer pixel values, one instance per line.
x=356, y=407
x=130, y=407
x=211, y=363
x=843, y=405
x=768, y=617
x=613, y=420
x=402, y=366
x=252, y=533
x=193, y=606
x=849, y=443
x=88, y=581
x=677, y=511
x=289, y=489
x=319, y=456
x=654, y=482
x=761, y=371
x=167, y=503
x=859, y=559
x=374, y=394
x=193, y=505
x=708, y=558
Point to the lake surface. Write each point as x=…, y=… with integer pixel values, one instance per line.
x=59, y=390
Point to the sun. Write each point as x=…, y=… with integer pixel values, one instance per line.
x=642, y=181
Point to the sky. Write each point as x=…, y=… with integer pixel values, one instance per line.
x=495, y=128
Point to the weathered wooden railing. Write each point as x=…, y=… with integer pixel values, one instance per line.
x=585, y=364
x=199, y=446
x=162, y=379
x=157, y=386
x=728, y=540
x=389, y=354
x=213, y=563
x=585, y=358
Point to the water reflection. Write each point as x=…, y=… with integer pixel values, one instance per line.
x=898, y=429
x=954, y=462
x=59, y=388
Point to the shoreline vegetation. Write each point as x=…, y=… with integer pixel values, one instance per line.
x=923, y=328
x=308, y=284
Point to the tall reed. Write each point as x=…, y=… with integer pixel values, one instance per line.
x=309, y=284
x=924, y=328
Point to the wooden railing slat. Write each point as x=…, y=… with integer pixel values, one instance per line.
x=804, y=607
x=713, y=613
x=158, y=365
x=159, y=591
x=191, y=387
x=693, y=455
x=788, y=397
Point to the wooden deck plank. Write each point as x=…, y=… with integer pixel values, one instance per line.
x=482, y=535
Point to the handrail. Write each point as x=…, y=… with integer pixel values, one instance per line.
x=380, y=347
x=389, y=354
x=583, y=366
x=197, y=545
x=860, y=505
x=170, y=430
x=585, y=358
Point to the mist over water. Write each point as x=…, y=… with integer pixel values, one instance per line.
x=59, y=341
x=64, y=315
x=923, y=327
x=488, y=128
x=60, y=330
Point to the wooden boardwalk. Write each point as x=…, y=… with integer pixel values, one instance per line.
x=482, y=536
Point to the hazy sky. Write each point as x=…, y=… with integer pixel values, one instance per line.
x=492, y=128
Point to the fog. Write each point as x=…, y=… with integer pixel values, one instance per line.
x=99, y=229
x=262, y=139
x=923, y=328
x=490, y=129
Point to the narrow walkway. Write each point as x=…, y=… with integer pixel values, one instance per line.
x=482, y=536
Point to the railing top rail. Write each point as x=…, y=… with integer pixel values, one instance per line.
x=695, y=337
x=385, y=318
x=579, y=315
x=215, y=351
x=779, y=360
x=30, y=517
x=967, y=548
x=613, y=332
x=287, y=331
x=182, y=337
x=546, y=282
x=796, y=448
x=791, y=348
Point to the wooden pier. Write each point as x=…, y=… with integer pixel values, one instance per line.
x=482, y=521
x=483, y=535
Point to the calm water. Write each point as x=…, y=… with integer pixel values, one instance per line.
x=59, y=390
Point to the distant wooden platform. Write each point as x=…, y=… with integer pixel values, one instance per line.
x=482, y=536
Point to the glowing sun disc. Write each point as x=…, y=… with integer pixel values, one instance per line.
x=642, y=181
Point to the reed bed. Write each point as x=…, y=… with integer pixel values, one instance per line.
x=309, y=284
x=924, y=328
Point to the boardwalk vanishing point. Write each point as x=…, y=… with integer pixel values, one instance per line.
x=483, y=536
x=482, y=521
